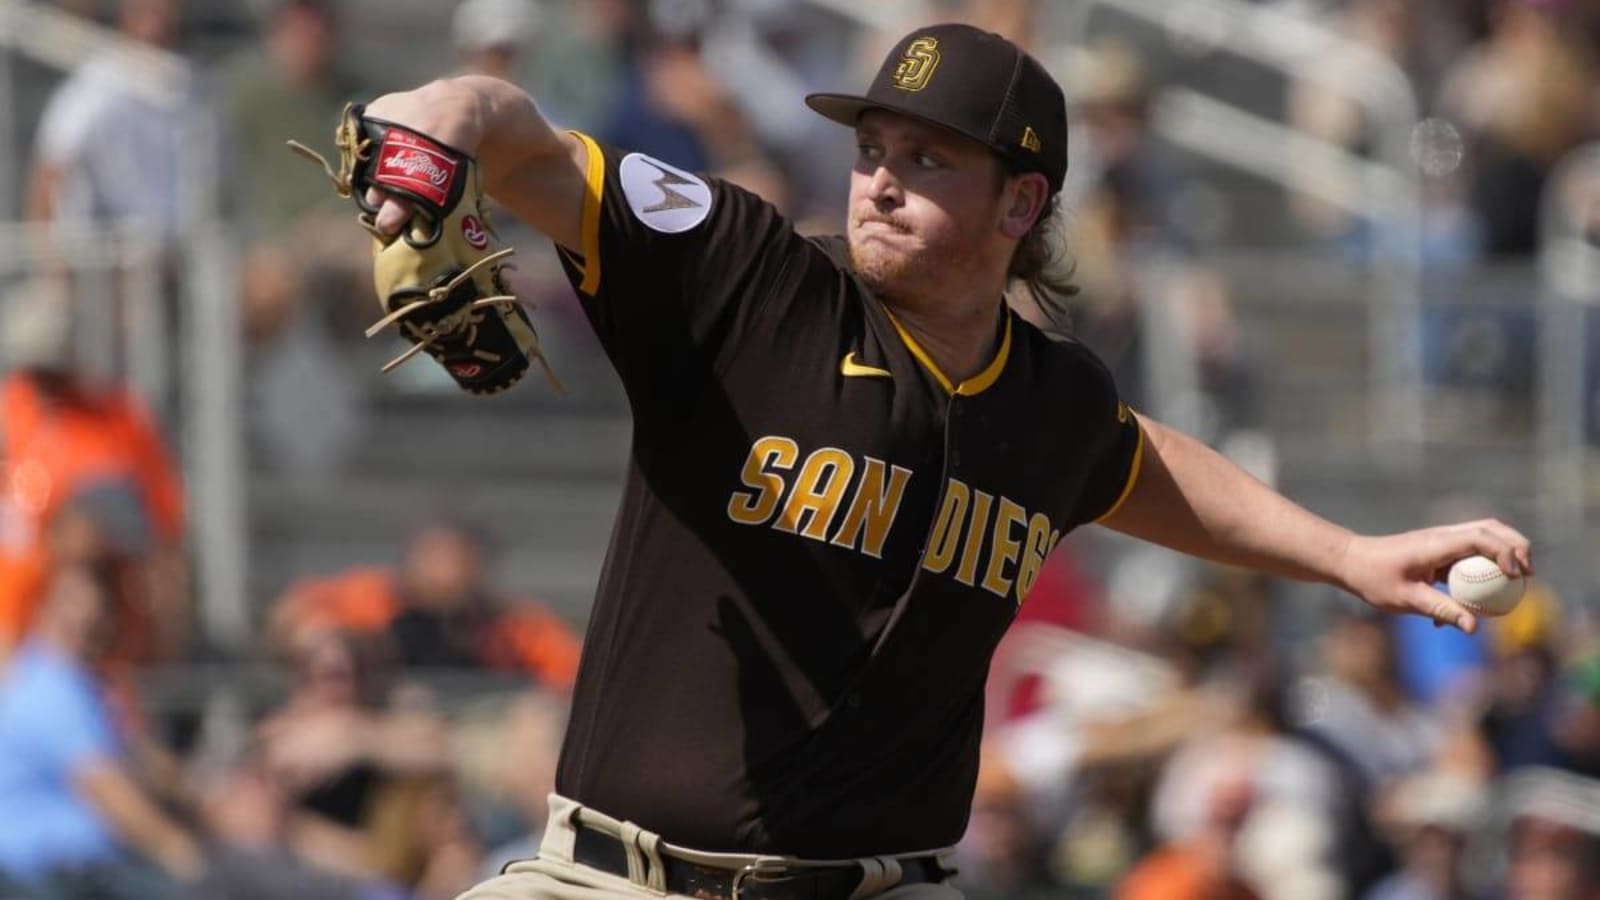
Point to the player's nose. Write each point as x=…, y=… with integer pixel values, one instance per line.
x=884, y=188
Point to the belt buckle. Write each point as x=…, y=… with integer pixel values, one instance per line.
x=762, y=866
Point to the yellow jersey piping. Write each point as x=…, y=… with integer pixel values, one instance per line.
x=1133, y=476
x=974, y=385
x=595, y=181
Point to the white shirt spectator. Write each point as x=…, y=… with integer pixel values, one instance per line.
x=121, y=153
x=1383, y=744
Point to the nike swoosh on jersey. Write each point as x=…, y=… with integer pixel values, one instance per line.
x=852, y=369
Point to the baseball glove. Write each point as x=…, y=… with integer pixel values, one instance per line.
x=441, y=279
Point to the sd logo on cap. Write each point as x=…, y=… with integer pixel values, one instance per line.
x=917, y=64
x=987, y=89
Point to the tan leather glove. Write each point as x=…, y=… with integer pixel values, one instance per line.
x=441, y=278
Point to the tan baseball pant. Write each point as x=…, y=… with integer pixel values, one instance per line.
x=554, y=875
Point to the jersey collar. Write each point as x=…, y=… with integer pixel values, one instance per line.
x=978, y=383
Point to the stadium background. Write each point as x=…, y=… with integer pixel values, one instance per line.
x=1349, y=242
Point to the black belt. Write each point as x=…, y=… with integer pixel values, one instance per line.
x=768, y=881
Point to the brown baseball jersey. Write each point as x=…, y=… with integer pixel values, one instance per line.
x=821, y=538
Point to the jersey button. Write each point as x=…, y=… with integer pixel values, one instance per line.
x=853, y=700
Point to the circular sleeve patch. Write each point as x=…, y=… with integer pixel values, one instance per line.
x=663, y=197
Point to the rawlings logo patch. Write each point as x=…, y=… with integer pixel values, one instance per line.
x=474, y=232
x=414, y=163
x=466, y=370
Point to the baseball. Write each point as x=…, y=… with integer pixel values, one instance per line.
x=1477, y=583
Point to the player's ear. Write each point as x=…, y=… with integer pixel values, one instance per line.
x=1025, y=198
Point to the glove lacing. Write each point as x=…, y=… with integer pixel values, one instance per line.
x=351, y=150
x=428, y=333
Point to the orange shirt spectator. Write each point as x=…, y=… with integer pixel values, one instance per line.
x=60, y=437
x=1181, y=873
x=361, y=600
x=1201, y=866
x=373, y=600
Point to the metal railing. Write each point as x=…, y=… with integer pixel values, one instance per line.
x=121, y=262
x=1389, y=193
x=1568, y=297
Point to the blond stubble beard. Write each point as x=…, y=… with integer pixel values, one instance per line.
x=883, y=272
x=916, y=278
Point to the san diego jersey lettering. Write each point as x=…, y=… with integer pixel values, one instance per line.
x=824, y=500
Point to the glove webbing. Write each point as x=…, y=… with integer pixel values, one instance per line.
x=352, y=150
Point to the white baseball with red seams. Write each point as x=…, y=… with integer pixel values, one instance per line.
x=1477, y=583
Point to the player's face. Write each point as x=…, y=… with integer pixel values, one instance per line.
x=925, y=209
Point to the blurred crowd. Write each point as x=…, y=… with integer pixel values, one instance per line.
x=1170, y=735
x=1158, y=730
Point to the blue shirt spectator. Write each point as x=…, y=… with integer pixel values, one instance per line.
x=53, y=723
x=1433, y=662
x=75, y=824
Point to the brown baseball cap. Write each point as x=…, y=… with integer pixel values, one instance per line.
x=975, y=83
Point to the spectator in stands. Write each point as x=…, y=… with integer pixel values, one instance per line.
x=1014, y=19
x=1253, y=741
x=72, y=537
x=1112, y=197
x=1202, y=865
x=510, y=762
x=577, y=57
x=303, y=288
x=640, y=114
x=1551, y=857
x=289, y=86
x=77, y=823
x=68, y=435
x=1359, y=708
x=438, y=610
x=1522, y=696
x=246, y=816
x=343, y=749
x=1292, y=788
x=301, y=254
x=1526, y=96
x=1431, y=816
x=446, y=617
x=106, y=152
x=304, y=411
x=1087, y=760
x=1004, y=853
x=1119, y=218
x=1111, y=101
x=492, y=36
x=1577, y=730
x=421, y=837
x=1063, y=596
x=669, y=103
x=1325, y=99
